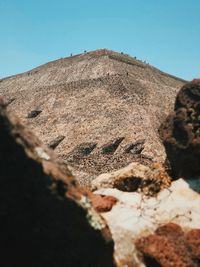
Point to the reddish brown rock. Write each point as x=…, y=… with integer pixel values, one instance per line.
x=171, y=246
x=181, y=132
x=45, y=219
x=193, y=239
x=103, y=203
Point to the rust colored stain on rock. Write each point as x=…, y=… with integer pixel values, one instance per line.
x=103, y=203
x=181, y=132
x=171, y=246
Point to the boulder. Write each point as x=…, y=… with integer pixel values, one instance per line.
x=171, y=246
x=103, y=203
x=181, y=132
x=135, y=177
x=136, y=216
x=45, y=218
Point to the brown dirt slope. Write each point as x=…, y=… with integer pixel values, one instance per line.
x=99, y=110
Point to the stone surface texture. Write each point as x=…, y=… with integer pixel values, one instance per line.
x=181, y=132
x=102, y=203
x=171, y=246
x=135, y=216
x=135, y=177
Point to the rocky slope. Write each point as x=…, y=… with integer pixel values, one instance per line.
x=99, y=111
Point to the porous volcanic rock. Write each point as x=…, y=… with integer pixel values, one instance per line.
x=171, y=246
x=45, y=218
x=90, y=99
x=181, y=132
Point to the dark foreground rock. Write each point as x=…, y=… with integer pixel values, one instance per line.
x=171, y=246
x=45, y=219
x=181, y=132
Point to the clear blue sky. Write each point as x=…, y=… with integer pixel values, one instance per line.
x=166, y=33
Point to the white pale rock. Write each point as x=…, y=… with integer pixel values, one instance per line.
x=136, y=215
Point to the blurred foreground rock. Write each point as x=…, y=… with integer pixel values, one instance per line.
x=136, y=215
x=45, y=218
x=156, y=222
x=181, y=132
x=171, y=246
x=102, y=203
x=135, y=177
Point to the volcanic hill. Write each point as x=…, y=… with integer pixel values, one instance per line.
x=99, y=110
